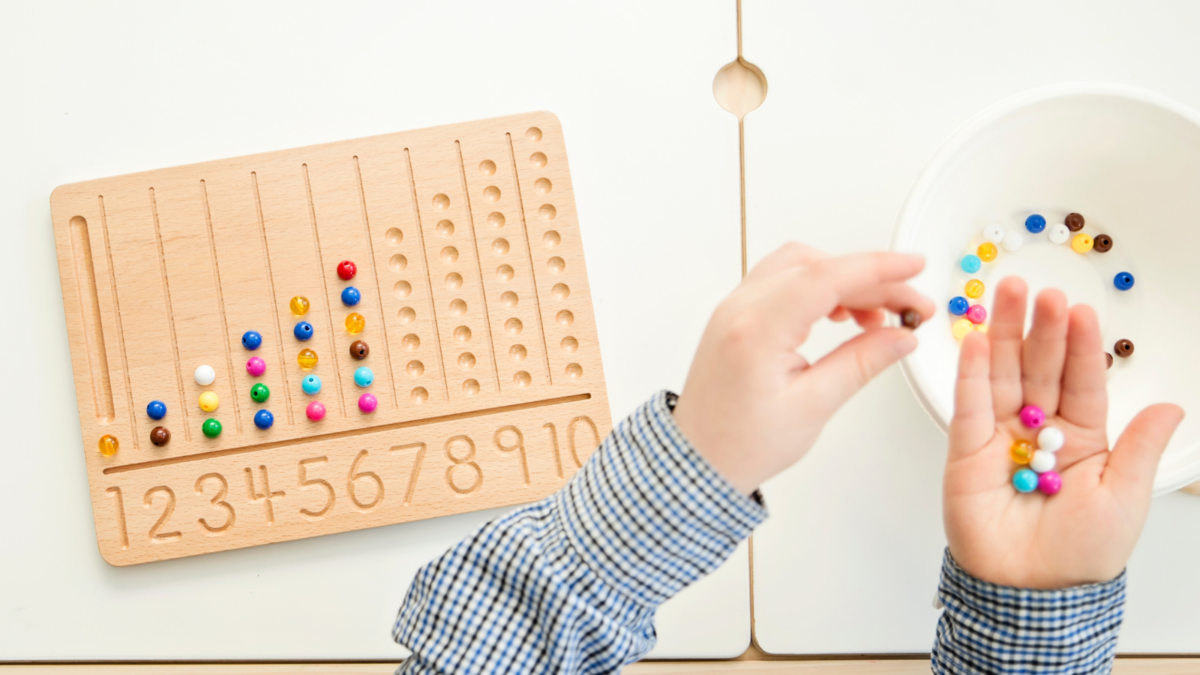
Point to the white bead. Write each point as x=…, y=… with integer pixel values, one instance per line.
x=1050, y=439
x=205, y=375
x=993, y=233
x=1013, y=240
x=1059, y=234
x=1042, y=461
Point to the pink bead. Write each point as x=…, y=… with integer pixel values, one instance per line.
x=977, y=314
x=1050, y=482
x=315, y=411
x=256, y=366
x=367, y=403
x=1032, y=416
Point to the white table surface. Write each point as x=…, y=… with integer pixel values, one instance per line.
x=861, y=94
x=91, y=90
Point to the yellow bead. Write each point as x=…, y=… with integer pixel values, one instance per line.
x=307, y=359
x=1021, y=452
x=974, y=288
x=961, y=328
x=109, y=445
x=981, y=328
x=1082, y=243
x=355, y=323
x=209, y=401
x=987, y=251
x=299, y=305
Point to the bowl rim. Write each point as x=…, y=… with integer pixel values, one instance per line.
x=949, y=150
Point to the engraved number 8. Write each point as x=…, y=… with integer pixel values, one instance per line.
x=466, y=461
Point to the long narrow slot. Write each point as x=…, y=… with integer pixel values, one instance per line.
x=312, y=217
x=412, y=186
x=112, y=285
x=162, y=270
x=216, y=267
x=537, y=300
x=266, y=250
x=93, y=329
x=350, y=433
x=487, y=315
x=387, y=353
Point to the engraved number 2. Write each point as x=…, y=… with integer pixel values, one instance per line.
x=147, y=500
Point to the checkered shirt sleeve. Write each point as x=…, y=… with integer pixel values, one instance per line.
x=987, y=628
x=570, y=584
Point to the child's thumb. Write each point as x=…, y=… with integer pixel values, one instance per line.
x=1134, y=460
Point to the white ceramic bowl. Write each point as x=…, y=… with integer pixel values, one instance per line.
x=1129, y=161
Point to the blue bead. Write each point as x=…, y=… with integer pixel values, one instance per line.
x=1123, y=281
x=251, y=340
x=1025, y=480
x=971, y=263
x=156, y=410
x=263, y=419
x=1035, y=223
x=350, y=296
x=363, y=377
x=303, y=330
x=959, y=305
x=311, y=384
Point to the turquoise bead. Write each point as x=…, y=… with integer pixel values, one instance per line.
x=311, y=385
x=971, y=263
x=1025, y=480
x=363, y=377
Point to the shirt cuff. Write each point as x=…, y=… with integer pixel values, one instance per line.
x=1001, y=629
x=648, y=514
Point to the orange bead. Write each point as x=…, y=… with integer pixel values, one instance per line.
x=1021, y=452
x=974, y=288
x=987, y=251
x=109, y=445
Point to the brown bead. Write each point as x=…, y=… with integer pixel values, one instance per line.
x=910, y=318
x=1074, y=222
x=160, y=436
x=1102, y=243
x=1109, y=358
x=359, y=349
x=1123, y=348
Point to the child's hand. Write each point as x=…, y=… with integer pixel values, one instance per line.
x=753, y=406
x=1086, y=532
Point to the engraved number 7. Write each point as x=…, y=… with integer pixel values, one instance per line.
x=416, y=467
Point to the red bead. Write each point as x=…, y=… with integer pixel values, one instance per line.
x=347, y=270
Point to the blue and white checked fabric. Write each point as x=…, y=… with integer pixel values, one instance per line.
x=987, y=628
x=570, y=584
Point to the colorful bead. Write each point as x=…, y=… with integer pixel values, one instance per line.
x=1082, y=243
x=359, y=350
x=109, y=445
x=363, y=377
x=263, y=419
x=961, y=327
x=205, y=375
x=974, y=288
x=260, y=392
x=355, y=323
x=1104, y=243
x=1035, y=223
x=307, y=359
x=1123, y=349
x=315, y=411
x=1049, y=483
x=256, y=366
x=1051, y=439
x=1032, y=416
x=1013, y=240
x=1021, y=451
x=1042, y=461
x=977, y=314
x=1059, y=234
x=1025, y=480
x=156, y=410
x=160, y=436
x=971, y=264
x=350, y=296
x=1074, y=222
x=211, y=428
x=910, y=319
x=987, y=251
x=367, y=403
x=981, y=328
x=209, y=401
x=959, y=305
x=303, y=330
x=346, y=270
x=311, y=385
x=1123, y=281
x=251, y=340
x=993, y=233
x=299, y=305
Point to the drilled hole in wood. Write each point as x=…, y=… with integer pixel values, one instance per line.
x=740, y=87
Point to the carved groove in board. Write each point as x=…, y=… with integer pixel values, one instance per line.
x=487, y=315
x=93, y=329
x=162, y=269
x=537, y=296
x=387, y=352
x=112, y=282
x=312, y=216
x=262, y=231
x=216, y=268
x=437, y=338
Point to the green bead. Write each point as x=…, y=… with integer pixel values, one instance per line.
x=211, y=428
x=259, y=392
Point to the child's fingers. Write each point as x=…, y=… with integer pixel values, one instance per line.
x=1134, y=459
x=831, y=381
x=1006, y=332
x=1045, y=352
x=791, y=254
x=974, y=420
x=895, y=297
x=1084, y=401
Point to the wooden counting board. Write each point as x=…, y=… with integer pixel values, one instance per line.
x=478, y=317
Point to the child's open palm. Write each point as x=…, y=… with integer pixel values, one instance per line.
x=1086, y=532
